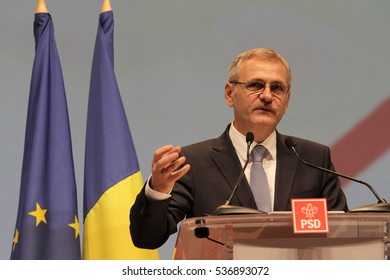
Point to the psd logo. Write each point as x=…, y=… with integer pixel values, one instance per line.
x=310, y=215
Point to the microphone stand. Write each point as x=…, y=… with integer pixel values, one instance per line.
x=227, y=208
x=381, y=206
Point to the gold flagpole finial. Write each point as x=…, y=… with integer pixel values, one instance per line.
x=106, y=6
x=41, y=7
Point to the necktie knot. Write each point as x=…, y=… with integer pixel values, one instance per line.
x=258, y=153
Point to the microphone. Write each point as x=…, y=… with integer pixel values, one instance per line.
x=227, y=209
x=381, y=206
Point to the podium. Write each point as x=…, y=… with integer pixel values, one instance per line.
x=351, y=236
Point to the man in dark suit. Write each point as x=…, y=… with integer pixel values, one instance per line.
x=195, y=180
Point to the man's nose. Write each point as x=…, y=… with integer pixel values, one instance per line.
x=266, y=95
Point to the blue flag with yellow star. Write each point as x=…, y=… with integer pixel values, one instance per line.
x=112, y=174
x=47, y=224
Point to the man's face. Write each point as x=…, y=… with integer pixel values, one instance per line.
x=255, y=111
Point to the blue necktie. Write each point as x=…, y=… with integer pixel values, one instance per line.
x=259, y=182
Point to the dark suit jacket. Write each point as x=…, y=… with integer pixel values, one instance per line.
x=215, y=168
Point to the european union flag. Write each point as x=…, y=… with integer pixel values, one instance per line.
x=112, y=174
x=47, y=224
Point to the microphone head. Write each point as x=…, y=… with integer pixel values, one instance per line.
x=290, y=143
x=250, y=137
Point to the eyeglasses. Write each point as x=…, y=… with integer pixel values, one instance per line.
x=259, y=87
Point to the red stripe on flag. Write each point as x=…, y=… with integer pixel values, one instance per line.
x=365, y=143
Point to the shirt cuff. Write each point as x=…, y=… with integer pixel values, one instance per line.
x=155, y=195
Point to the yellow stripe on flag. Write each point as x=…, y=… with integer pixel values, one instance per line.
x=106, y=227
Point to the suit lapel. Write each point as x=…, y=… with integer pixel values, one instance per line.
x=226, y=159
x=285, y=171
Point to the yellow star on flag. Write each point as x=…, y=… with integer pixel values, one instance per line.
x=15, y=240
x=76, y=227
x=39, y=214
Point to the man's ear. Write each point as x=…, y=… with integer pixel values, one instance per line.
x=229, y=94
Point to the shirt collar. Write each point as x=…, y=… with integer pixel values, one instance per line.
x=239, y=143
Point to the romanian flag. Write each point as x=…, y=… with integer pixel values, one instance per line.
x=47, y=224
x=112, y=174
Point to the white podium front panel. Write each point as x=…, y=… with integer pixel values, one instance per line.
x=270, y=236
